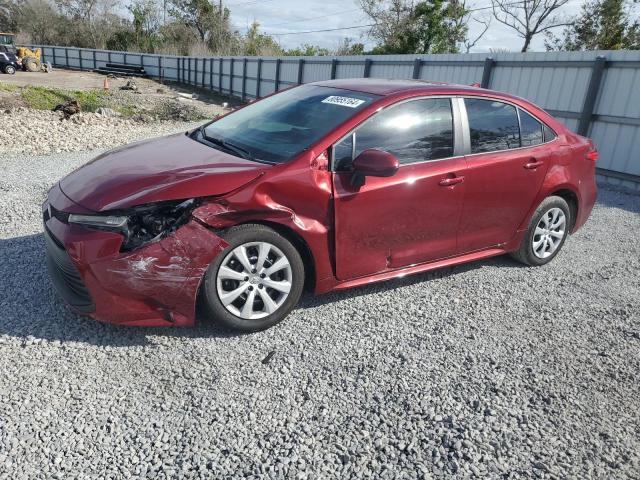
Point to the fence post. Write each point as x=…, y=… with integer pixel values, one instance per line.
x=66, y=57
x=125, y=58
x=258, y=78
x=220, y=66
x=93, y=54
x=244, y=78
x=141, y=61
x=211, y=74
x=367, y=68
x=231, y=74
x=277, y=79
x=592, y=93
x=486, y=72
x=300, y=70
x=160, y=75
x=334, y=67
x=54, y=57
x=80, y=58
x=417, y=66
x=204, y=62
x=189, y=77
x=109, y=56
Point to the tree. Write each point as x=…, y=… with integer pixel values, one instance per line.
x=256, y=43
x=529, y=17
x=211, y=22
x=88, y=23
x=8, y=16
x=401, y=26
x=146, y=25
x=307, y=50
x=601, y=25
x=469, y=43
x=349, y=47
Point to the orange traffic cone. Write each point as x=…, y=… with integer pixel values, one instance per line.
x=106, y=83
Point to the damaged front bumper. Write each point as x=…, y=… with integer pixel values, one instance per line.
x=155, y=285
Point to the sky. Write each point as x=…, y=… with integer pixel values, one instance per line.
x=282, y=17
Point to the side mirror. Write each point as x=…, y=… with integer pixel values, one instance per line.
x=373, y=163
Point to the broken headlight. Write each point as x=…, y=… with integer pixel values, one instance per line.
x=142, y=224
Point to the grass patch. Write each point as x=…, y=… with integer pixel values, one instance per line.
x=127, y=110
x=43, y=98
x=8, y=87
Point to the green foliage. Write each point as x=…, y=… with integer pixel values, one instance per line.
x=349, y=47
x=307, y=50
x=257, y=43
x=8, y=87
x=435, y=26
x=601, y=25
x=43, y=98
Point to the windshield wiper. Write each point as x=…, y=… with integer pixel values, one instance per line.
x=242, y=152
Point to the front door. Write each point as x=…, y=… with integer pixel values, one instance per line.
x=411, y=217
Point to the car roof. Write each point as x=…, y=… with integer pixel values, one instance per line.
x=382, y=86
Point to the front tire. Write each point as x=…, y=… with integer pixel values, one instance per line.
x=256, y=281
x=9, y=69
x=547, y=232
x=31, y=64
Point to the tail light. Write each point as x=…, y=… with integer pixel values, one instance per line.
x=593, y=155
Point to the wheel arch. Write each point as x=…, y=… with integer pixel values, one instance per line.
x=569, y=196
x=300, y=245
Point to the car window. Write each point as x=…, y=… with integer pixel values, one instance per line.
x=548, y=133
x=281, y=126
x=414, y=131
x=493, y=125
x=530, y=130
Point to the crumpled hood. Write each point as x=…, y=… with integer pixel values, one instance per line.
x=168, y=168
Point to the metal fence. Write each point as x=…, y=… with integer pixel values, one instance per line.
x=595, y=93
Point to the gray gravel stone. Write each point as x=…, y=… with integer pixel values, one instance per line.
x=489, y=369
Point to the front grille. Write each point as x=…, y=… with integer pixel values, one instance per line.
x=65, y=276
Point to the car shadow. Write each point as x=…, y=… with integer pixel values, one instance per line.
x=31, y=310
x=310, y=301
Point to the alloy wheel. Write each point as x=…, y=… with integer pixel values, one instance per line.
x=549, y=233
x=254, y=280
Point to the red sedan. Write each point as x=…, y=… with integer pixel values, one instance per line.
x=328, y=185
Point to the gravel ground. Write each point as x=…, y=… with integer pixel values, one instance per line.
x=486, y=370
x=46, y=132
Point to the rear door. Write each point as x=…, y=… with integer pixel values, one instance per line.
x=411, y=217
x=507, y=164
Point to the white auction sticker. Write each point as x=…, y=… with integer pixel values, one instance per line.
x=343, y=101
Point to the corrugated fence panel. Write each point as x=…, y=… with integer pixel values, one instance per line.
x=557, y=81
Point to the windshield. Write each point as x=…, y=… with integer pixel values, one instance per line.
x=280, y=127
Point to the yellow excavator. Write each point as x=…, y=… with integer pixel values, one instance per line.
x=31, y=60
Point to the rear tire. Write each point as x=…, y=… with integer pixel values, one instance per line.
x=255, y=282
x=547, y=232
x=9, y=69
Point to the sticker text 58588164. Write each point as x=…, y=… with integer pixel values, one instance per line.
x=343, y=101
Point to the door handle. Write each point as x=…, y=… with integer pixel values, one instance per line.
x=450, y=181
x=533, y=164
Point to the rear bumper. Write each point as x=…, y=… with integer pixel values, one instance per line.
x=156, y=285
